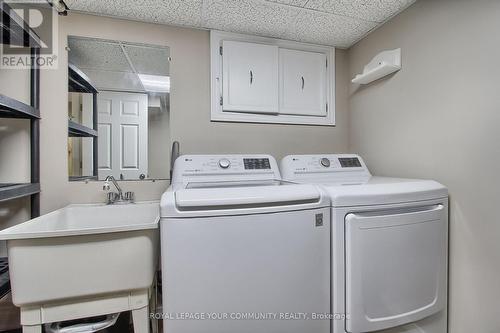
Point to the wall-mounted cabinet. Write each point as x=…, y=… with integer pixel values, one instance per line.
x=265, y=80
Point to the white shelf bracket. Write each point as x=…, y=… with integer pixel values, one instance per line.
x=384, y=63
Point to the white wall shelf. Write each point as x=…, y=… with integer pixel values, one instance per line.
x=383, y=64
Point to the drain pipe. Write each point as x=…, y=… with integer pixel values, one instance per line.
x=174, y=154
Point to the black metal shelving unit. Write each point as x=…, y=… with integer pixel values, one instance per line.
x=16, y=32
x=79, y=82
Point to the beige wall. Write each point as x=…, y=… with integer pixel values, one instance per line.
x=438, y=118
x=189, y=104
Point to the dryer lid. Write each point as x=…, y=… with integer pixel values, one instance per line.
x=384, y=190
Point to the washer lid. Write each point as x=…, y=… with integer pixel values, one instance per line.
x=383, y=190
x=215, y=201
x=226, y=198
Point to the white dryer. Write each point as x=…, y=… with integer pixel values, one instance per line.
x=242, y=251
x=389, y=245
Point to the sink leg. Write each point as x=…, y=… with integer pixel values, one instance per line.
x=152, y=305
x=32, y=329
x=140, y=318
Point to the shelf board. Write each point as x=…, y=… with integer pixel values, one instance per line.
x=81, y=178
x=14, y=29
x=12, y=108
x=80, y=131
x=14, y=191
x=78, y=81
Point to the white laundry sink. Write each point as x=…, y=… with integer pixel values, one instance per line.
x=83, y=251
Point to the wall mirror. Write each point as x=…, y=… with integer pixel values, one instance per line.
x=118, y=110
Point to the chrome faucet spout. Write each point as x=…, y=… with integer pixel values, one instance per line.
x=115, y=183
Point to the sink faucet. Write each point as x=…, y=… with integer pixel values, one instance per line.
x=114, y=197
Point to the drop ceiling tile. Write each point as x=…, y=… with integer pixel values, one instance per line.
x=177, y=12
x=250, y=17
x=329, y=29
x=106, y=80
x=149, y=60
x=370, y=10
x=271, y=18
x=89, y=53
x=298, y=3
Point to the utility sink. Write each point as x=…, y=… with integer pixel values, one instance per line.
x=83, y=251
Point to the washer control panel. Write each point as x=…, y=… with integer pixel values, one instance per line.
x=210, y=167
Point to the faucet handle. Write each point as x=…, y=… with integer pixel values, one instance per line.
x=129, y=196
x=106, y=186
x=112, y=197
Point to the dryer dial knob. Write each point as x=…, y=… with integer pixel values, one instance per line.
x=224, y=163
x=325, y=162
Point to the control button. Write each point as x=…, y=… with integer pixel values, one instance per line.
x=224, y=163
x=325, y=162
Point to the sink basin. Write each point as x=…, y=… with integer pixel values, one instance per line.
x=83, y=251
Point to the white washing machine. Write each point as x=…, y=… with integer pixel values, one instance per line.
x=242, y=251
x=389, y=245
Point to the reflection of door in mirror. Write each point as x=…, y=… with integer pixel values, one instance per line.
x=131, y=140
x=123, y=134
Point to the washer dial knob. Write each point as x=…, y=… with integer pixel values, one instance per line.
x=325, y=162
x=224, y=163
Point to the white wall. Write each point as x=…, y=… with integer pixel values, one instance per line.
x=438, y=118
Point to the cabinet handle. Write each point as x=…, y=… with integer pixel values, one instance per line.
x=303, y=82
x=251, y=77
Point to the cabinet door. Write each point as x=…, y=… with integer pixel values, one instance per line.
x=302, y=83
x=250, y=77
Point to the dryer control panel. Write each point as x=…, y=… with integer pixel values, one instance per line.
x=330, y=166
